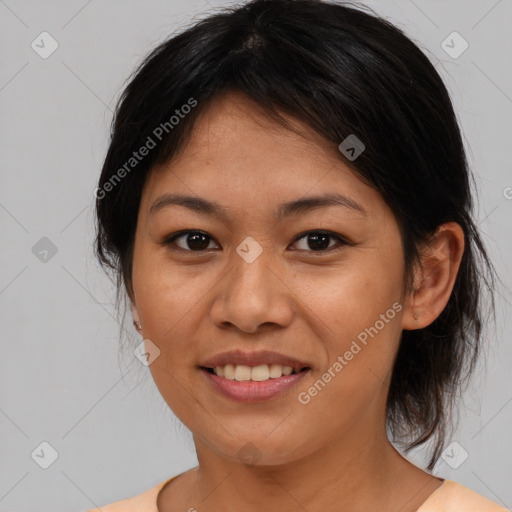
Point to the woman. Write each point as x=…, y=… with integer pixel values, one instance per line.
x=286, y=203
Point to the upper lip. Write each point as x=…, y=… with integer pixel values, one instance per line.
x=252, y=359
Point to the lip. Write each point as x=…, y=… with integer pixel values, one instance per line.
x=253, y=359
x=253, y=391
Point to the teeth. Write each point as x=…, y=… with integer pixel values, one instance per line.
x=242, y=372
x=229, y=371
x=287, y=370
x=259, y=373
x=275, y=370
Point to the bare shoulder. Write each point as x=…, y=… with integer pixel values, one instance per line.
x=454, y=497
x=145, y=501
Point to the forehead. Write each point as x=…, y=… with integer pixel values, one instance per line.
x=237, y=154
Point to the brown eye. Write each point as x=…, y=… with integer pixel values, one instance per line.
x=318, y=241
x=198, y=241
x=194, y=241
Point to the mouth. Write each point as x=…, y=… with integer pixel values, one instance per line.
x=253, y=376
x=259, y=373
x=252, y=384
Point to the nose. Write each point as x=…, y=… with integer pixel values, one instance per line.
x=252, y=296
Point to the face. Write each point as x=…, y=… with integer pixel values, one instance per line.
x=317, y=283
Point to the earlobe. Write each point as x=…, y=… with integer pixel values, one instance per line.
x=411, y=318
x=136, y=319
x=440, y=262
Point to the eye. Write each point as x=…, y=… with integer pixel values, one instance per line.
x=198, y=241
x=319, y=241
x=192, y=241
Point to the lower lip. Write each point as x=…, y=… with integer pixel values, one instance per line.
x=253, y=391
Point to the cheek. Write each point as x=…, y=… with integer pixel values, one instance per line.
x=351, y=297
x=172, y=309
x=167, y=294
x=170, y=304
x=361, y=346
x=356, y=313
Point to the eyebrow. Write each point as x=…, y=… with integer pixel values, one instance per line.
x=302, y=205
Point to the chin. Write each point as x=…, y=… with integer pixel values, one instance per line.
x=259, y=450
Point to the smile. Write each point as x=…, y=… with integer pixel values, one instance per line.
x=253, y=384
x=258, y=373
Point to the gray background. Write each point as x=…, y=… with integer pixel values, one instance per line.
x=61, y=381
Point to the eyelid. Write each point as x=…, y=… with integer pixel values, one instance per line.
x=341, y=240
x=169, y=240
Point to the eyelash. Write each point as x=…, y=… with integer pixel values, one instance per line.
x=169, y=241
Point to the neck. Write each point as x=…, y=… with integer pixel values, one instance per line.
x=358, y=472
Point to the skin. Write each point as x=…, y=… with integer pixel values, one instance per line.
x=329, y=454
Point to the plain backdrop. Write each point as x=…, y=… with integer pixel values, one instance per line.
x=61, y=380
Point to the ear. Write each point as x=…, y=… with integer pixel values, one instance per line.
x=433, y=282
